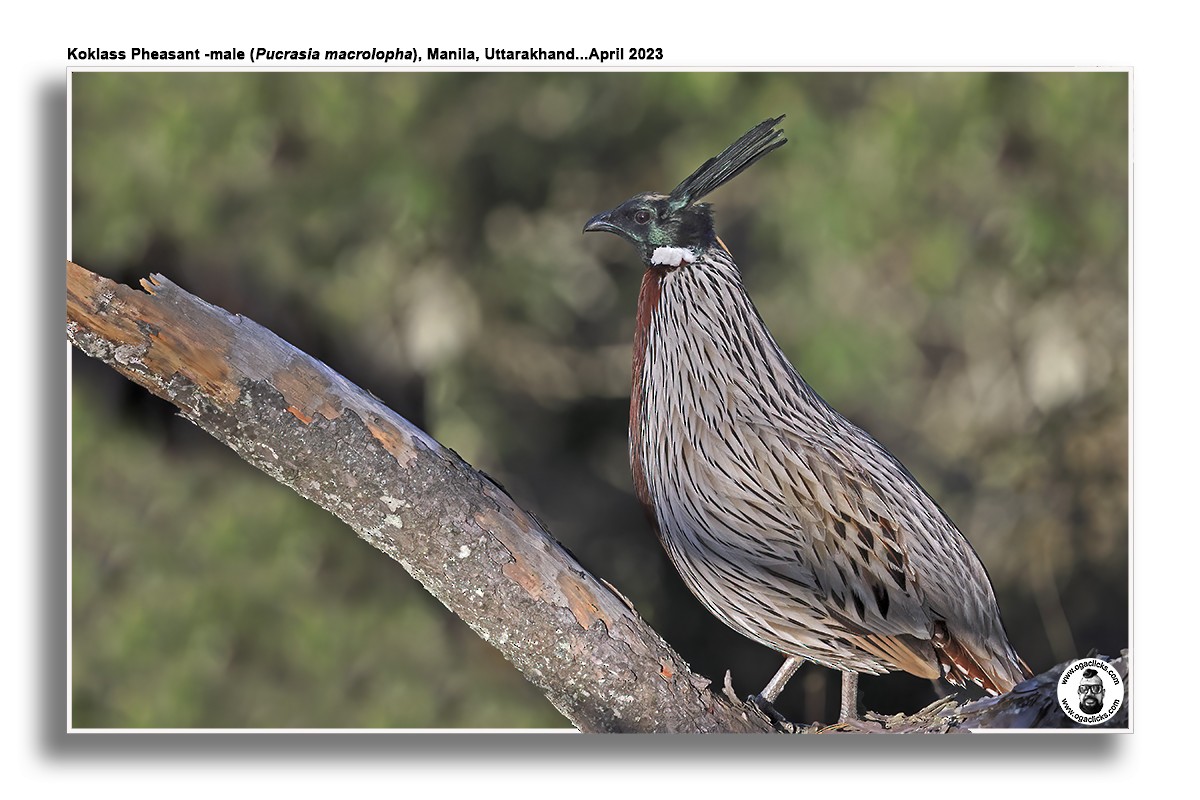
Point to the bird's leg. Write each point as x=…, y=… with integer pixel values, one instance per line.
x=849, y=697
x=764, y=700
x=776, y=684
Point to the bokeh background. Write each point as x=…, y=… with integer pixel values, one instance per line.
x=943, y=256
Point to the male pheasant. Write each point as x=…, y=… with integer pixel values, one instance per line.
x=789, y=523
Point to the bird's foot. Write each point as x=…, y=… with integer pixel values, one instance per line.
x=771, y=713
x=761, y=706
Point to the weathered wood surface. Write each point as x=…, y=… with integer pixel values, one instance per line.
x=448, y=525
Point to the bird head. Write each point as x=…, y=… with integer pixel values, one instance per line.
x=651, y=222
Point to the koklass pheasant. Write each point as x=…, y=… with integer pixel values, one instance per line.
x=789, y=523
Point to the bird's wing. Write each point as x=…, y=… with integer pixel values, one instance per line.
x=833, y=521
x=897, y=571
x=824, y=550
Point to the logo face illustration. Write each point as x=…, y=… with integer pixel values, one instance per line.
x=1090, y=691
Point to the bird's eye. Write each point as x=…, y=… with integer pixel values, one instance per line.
x=641, y=217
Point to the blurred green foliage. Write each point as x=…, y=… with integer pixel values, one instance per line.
x=944, y=257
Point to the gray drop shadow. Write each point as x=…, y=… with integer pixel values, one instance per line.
x=57, y=745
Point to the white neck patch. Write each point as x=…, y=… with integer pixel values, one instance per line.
x=672, y=256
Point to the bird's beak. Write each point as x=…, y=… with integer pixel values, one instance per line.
x=601, y=222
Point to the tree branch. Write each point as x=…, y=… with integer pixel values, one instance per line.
x=450, y=526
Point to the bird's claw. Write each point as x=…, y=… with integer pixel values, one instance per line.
x=771, y=714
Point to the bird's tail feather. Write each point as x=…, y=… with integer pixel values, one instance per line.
x=960, y=664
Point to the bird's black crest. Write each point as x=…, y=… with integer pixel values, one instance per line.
x=753, y=145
